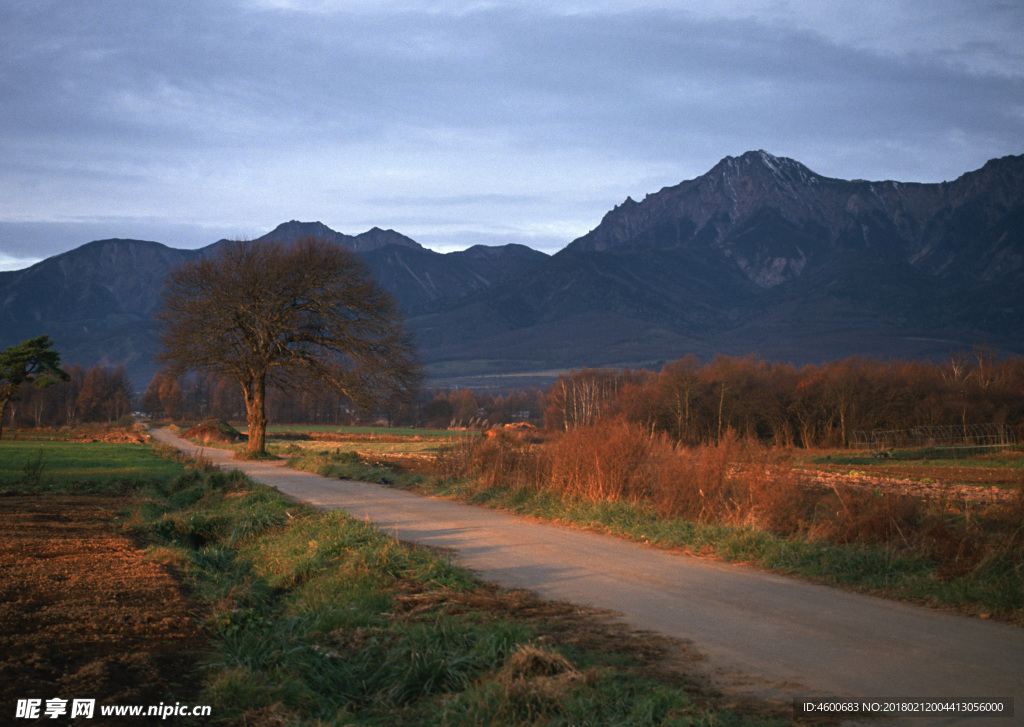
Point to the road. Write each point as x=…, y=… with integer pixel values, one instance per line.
x=762, y=634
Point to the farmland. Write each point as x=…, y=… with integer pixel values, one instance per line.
x=299, y=616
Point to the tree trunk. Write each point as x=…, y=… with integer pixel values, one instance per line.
x=256, y=413
x=13, y=409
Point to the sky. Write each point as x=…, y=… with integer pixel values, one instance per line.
x=464, y=122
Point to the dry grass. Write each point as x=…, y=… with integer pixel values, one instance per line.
x=741, y=482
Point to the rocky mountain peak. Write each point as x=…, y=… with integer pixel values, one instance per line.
x=373, y=239
x=376, y=238
x=293, y=230
x=729, y=193
x=773, y=218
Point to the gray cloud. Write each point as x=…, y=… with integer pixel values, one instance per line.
x=516, y=121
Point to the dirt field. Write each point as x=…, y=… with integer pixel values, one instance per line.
x=83, y=614
x=982, y=486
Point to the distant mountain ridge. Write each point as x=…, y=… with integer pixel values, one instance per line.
x=759, y=255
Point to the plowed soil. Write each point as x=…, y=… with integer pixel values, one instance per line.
x=83, y=613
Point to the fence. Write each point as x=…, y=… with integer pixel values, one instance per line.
x=954, y=440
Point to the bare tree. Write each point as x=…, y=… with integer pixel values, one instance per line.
x=286, y=316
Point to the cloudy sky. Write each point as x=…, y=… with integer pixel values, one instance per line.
x=460, y=122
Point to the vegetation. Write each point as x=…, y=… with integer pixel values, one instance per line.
x=742, y=501
x=737, y=500
x=286, y=316
x=32, y=362
x=87, y=467
x=306, y=431
x=80, y=396
x=200, y=394
x=349, y=465
x=316, y=618
x=813, y=406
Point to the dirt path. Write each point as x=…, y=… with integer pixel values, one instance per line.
x=763, y=635
x=83, y=613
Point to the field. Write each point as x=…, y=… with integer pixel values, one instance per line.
x=79, y=466
x=1003, y=470
x=282, y=430
x=162, y=583
x=84, y=614
x=401, y=448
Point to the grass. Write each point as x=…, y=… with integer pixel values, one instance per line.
x=319, y=619
x=27, y=466
x=350, y=465
x=1010, y=460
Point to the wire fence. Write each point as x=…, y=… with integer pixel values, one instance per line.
x=953, y=440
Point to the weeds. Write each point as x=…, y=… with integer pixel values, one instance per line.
x=350, y=465
x=32, y=470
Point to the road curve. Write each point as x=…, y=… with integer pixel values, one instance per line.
x=761, y=634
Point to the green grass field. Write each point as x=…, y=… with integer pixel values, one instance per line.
x=60, y=463
x=367, y=448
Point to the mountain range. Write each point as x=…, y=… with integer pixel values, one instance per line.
x=760, y=256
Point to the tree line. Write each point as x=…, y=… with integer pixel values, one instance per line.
x=205, y=394
x=694, y=402
x=99, y=394
x=816, y=405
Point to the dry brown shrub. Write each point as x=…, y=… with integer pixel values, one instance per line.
x=609, y=460
x=982, y=536
x=733, y=481
x=276, y=715
x=530, y=662
x=775, y=498
x=953, y=543
x=502, y=460
x=693, y=483
x=856, y=515
x=738, y=481
x=455, y=461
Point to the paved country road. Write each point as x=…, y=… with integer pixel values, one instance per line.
x=761, y=634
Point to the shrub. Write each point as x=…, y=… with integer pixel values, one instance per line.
x=610, y=460
x=501, y=460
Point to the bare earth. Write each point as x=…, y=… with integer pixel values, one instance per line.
x=761, y=634
x=83, y=613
